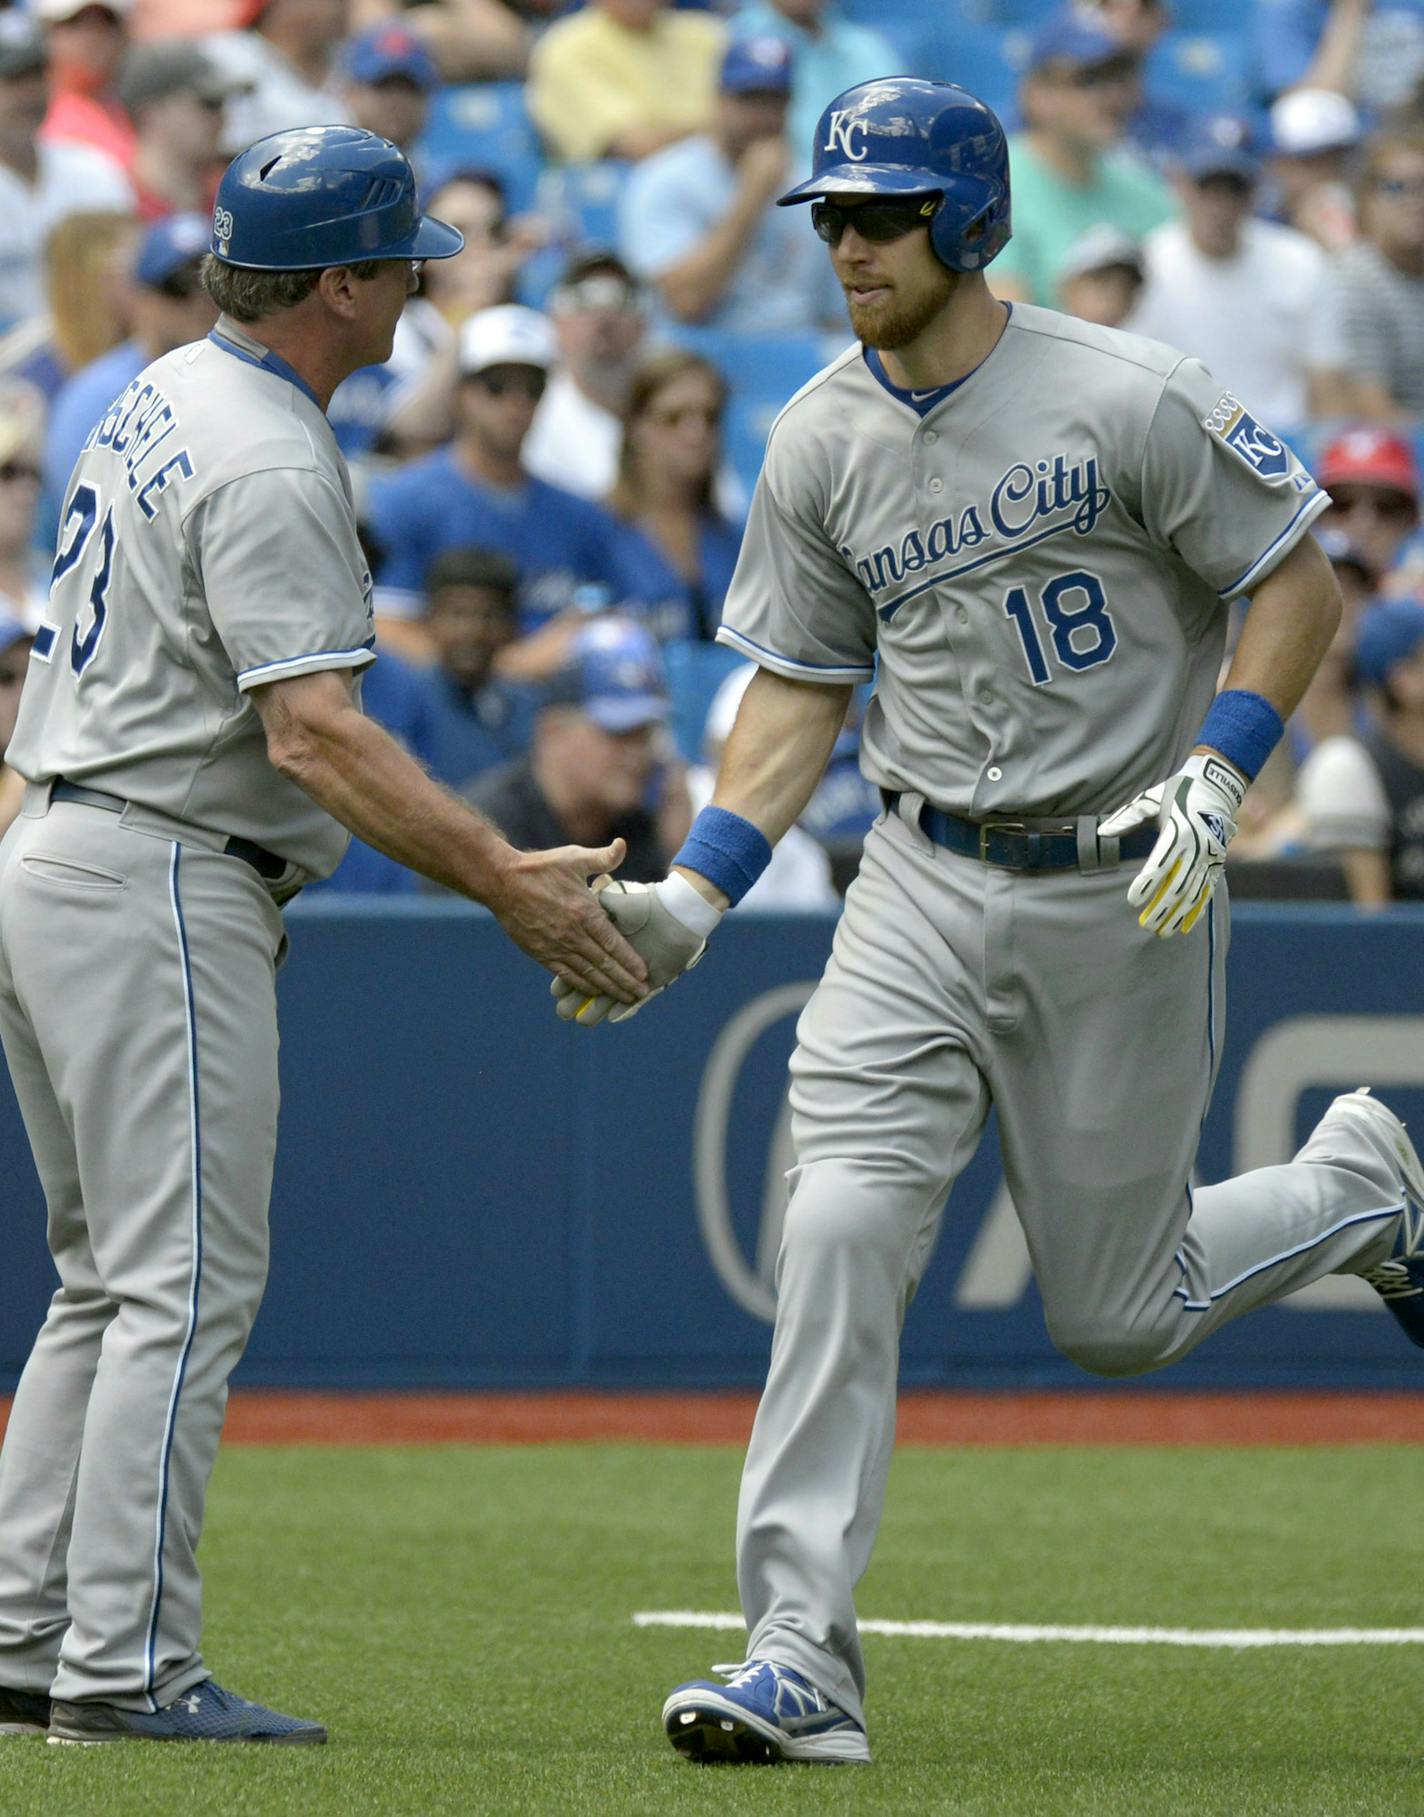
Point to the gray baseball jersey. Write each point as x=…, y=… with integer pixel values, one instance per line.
x=207, y=545
x=1039, y=564
x=1035, y=568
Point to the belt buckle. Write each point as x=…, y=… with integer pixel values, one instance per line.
x=996, y=826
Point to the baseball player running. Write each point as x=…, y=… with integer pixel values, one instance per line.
x=1034, y=525
x=194, y=751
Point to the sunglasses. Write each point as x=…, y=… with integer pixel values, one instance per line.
x=1392, y=507
x=878, y=222
x=709, y=415
x=524, y=383
x=17, y=470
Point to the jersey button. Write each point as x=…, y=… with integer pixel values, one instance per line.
x=930, y=437
x=994, y=773
x=935, y=485
x=986, y=697
x=961, y=617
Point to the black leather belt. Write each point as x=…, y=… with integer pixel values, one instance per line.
x=1017, y=845
x=266, y=864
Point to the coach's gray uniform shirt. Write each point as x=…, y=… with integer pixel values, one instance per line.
x=1082, y=531
x=227, y=557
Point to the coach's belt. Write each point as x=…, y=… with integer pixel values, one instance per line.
x=266, y=864
x=1027, y=845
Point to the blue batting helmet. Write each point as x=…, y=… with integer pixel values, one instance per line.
x=900, y=135
x=323, y=195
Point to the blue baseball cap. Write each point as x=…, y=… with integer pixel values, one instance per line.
x=614, y=674
x=1070, y=37
x=1220, y=146
x=169, y=245
x=1389, y=632
x=759, y=65
x=384, y=51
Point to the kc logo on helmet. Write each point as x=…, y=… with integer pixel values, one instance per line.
x=841, y=132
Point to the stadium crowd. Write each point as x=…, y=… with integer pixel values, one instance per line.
x=552, y=469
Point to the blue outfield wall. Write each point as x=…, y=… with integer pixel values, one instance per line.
x=470, y=1193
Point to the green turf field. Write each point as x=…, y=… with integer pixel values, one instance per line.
x=460, y=1618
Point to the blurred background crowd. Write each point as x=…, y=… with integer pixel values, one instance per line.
x=553, y=468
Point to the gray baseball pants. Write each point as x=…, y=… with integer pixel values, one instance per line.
x=138, y=1016
x=952, y=985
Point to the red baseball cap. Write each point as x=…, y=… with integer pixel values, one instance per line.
x=1369, y=457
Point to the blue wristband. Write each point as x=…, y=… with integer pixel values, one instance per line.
x=726, y=850
x=1244, y=727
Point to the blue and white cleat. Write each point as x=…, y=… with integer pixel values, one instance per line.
x=23, y=1712
x=766, y=1713
x=1400, y=1281
x=204, y=1712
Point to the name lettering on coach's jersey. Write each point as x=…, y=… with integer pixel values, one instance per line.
x=135, y=427
x=840, y=135
x=1026, y=503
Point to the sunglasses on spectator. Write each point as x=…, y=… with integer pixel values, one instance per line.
x=1091, y=75
x=1224, y=183
x=1392, y=507
x=526, y=381
x=1401, y=188
x=17, y=470
x=878, y=222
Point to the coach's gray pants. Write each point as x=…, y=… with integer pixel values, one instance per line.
x=951, y=985
x=138, y=1015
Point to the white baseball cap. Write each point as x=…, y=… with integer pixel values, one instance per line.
x=508, y=335
x=1309, y=120
x=55, y=12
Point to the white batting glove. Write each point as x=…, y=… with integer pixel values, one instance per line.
x=665, y=923
x=1196, y=810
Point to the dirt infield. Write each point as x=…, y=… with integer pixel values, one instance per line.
x=290, y=1418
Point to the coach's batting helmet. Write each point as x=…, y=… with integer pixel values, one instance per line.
x=323, y=195
x=904, y=136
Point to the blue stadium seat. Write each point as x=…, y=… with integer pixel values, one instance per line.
x=582, y=200
x=1207, y=72
x=485, y=125
x=695, y=671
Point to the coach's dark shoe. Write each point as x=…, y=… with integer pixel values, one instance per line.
x=766, y=1713
x=23, y=1712
x=1400, y=1281
x=205, y=1712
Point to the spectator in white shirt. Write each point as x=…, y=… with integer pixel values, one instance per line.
x=798, y=879
x=597, y=310
x=40, y=181
x=1254, y=301
x=1363, y=797
x=284, y=65
x=1314, y=133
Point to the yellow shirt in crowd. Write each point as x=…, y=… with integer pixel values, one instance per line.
x=591, y=79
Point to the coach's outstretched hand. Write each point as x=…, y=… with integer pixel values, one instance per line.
x=544, y=904
x=651, y=917
x=1197, y=811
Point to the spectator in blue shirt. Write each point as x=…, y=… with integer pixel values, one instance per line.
x=476, y=493
x=476, y=720
x=699, y=223
x=678, y=551
x=830, y=55
x=168, y=308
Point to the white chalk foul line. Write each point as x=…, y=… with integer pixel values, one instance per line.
x=1113, y=1637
